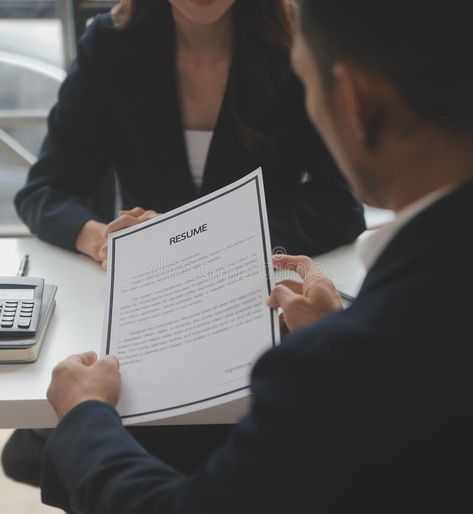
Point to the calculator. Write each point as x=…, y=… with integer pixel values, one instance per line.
x=20, y=306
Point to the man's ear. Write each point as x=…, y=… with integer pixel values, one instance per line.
x=361, y=104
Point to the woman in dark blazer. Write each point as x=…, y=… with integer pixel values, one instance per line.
x=143, y=77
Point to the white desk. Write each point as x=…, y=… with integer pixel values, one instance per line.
x=76, y=326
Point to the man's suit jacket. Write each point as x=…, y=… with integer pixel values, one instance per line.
x=369, y=410
x=119, y=107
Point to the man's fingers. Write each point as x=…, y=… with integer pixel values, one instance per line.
x=86, y=358
x=90, y=358
x=108, y=364
x=284, y=330
x=301, y=264
x=294, y=285
x=281, y=297
x=110, y=360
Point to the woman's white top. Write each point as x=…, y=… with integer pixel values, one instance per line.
x=198, y=143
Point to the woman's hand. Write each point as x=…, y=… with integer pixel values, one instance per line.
x=91, y=239
x=126, y=219
x=307, y=302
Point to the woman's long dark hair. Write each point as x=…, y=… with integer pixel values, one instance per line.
x=263, y=32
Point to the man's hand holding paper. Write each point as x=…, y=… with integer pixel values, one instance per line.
x=84, y=377
x=303, y=303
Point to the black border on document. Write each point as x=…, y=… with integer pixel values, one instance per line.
x=267, y=263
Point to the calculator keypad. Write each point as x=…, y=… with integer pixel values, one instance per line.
x=15, y=314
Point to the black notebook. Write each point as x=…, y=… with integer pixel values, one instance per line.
x=16, y=351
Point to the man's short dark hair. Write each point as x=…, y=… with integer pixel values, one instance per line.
x=424, y=48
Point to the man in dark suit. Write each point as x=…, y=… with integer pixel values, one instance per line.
x=362, y=410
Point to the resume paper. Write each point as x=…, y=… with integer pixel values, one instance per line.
x=186, y=312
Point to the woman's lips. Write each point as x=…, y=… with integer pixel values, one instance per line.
x=203, y=2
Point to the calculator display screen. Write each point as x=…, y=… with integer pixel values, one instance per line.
x=17, y=294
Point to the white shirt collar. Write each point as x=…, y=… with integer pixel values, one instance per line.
x=370, y=247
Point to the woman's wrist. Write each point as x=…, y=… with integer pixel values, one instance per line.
x=91, y=238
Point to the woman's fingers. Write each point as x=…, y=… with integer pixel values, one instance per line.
x=103, y=251
x=129, y=219
x=137, y=211
x=124, y=221
x=148, y=215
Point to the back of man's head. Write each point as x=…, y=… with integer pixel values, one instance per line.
x=424, y=47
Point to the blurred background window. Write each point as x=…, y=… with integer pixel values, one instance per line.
x=32, y=62
x=37, y=43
